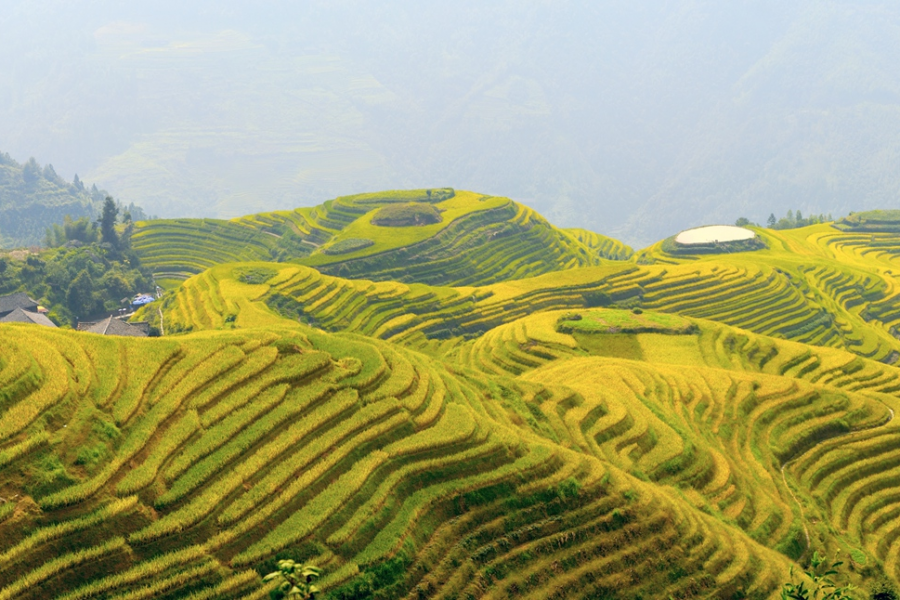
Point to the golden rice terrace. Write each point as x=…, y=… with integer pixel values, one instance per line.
x=438, y=394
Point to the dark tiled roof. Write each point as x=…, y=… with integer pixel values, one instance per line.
x=24, y=316
x=113, y=326
x=14, y=301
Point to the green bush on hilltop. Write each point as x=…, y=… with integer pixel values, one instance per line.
x=254, y=275
x=796, y=220
x=623, y=321
x=406, y=215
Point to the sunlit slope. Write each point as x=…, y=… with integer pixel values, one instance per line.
x=147, y=468
x=602, y=245
x=712, y=408
x=479, y=239
x=829, y=290
x=534, y=341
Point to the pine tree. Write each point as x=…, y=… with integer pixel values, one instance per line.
x=108, y=223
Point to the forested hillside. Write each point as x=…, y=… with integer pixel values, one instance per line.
x=88, y=271
x=34, y=198
x=684, y=425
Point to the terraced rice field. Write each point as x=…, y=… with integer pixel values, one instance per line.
x=517, y=439
x=834, y=302
x=147, y=467
x=481, y=239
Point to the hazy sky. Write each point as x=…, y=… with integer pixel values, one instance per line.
x=634, y=119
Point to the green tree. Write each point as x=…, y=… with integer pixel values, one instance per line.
x=31, y=172
x=115, y=285
x=83, y=230
x=742, y=222
x=108, y=222
x=820, y=584
x=80, y=295
x=297, y=580
x=772, y=220
x=883, y=589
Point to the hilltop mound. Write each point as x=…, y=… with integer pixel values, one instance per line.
x=468, y=239
x=883, y=221
x=712, y=239
x=712, y=234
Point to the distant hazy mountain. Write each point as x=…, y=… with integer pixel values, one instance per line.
x=629, y=118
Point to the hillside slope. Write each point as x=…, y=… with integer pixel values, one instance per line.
x=815, y=285
x=684, y=426
x=149, y=468
x=479, y=239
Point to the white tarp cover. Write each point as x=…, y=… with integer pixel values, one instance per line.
x=714, y=233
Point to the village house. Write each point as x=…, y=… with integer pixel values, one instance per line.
x=14, y=301
x=25, y=316
x=19, y=308
x=113, y=326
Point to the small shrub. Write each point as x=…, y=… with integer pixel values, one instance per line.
x=296, y=580
x=596, y=298
x=406, y=215
x=884, y=590
x=90, y=455
x=822, y=582
x=254, y=275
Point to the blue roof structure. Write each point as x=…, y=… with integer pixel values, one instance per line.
x=142, y=299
